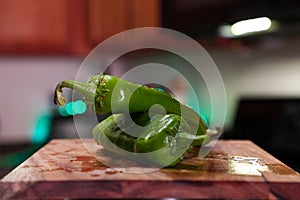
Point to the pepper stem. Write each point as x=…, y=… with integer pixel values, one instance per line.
x=88, y=90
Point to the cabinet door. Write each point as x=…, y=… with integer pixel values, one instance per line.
x=109, y=17
x=69, y=26
x=146, y=13
x=106, y=18
x=31, y=25
x=41, y=26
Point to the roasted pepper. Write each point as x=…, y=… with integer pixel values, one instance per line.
x=101, y=90
x=161, y=131
x=173, y=132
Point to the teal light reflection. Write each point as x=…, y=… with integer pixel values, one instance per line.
x=72, y=108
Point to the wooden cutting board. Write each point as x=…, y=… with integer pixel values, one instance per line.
x=64, y=168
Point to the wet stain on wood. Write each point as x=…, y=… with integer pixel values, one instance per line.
x=225, y=164
x=95, y=175
x=88, y=163
x=111, y=171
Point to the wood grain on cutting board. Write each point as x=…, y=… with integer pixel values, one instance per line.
x=70, y=168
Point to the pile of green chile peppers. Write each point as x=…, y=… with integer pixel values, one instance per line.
x=178, y=129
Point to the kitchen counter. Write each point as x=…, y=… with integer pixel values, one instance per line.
x=69, y=168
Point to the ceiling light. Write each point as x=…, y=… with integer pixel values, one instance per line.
x=247, y=27
x=251, y=25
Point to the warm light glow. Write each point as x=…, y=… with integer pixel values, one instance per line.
x=251, y=25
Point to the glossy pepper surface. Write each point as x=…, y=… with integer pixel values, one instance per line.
x=161, y=131
x=107, y=94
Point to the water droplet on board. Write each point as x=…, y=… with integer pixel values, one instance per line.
x=111, y=171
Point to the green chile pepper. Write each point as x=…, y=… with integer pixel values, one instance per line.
x=98, y=93
x=160, y=131
x=171, y=132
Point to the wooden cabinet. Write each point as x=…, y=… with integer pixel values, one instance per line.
x=69, y=26
x=33, y=25
x=109, y=17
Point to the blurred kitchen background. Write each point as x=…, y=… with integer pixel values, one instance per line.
x=44, y=42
